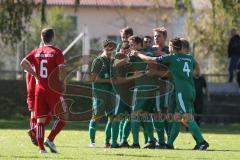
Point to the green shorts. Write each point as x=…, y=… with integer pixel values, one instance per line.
x=102, y=102
x=184, y=104
x=141, y=103
x=121, y=107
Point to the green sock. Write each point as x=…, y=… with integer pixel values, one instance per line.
x=135, y=131
x=193, y=127
x=108, y=132
x=149, y=129
x=159, y=126
x=121, y=124
x=114, y=132
x=174, y=132
x=126, y=130
x=167, y=127
x=92, y=130
x=145, y=134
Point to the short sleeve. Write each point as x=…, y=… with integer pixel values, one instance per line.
x=59, y=58
x=96, y=66
x=30, y=57
x=165, y=58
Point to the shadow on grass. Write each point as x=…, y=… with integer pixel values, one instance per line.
x=211, y=150
x=83, y=126
x=35, y=157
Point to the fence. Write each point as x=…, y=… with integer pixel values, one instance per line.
x=19, y=75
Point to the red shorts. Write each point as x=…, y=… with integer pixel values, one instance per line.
x=48, y=104
x=30, y=102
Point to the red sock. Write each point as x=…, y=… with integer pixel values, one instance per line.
x=40, y=135
x=33, y=122
x=57, y=127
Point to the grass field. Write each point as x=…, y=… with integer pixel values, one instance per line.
x=72, y=143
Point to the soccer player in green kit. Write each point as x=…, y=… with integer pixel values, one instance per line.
x=181, y=67
x=162, y=101
x=124, y=126
x=102, y=82
x=141, y=104
x=123, y=99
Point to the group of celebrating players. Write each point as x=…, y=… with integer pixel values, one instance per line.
x=134, y=83
x=152, y=83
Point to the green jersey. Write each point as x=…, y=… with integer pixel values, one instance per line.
x=181, y=66
x=102, y=92
x=102, y=67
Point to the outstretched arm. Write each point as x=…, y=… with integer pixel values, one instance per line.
x=144, y=57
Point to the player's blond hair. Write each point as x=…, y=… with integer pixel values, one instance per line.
x=161, y=30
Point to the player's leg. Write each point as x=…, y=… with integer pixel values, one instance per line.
x=60, y=112
x=186, y=106
x=32, y=130
x=108, y=128
x=117, y=118
x=126, y=132
x=145, y=134
x=92, y=123
x=148, y=125
x=175, y=129
x=121, y=129
x=135, y=124
x=92, y=131
x=41, y=111
x=115, y=130
x=32, y=119
x=159, y=123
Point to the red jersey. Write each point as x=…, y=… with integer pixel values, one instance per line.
x=46, y=61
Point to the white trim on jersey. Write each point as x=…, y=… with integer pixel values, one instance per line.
x=181, y=102
x=117, y=100
x=134, y=98
x=158, y=101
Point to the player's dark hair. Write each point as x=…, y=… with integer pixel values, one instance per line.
x=127, y=31
x=148, y=37
x=108, y=42
x=47, y=35
x=185, y=44
x=136, y=39
x=176, y=43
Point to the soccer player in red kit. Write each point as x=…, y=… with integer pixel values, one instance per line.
x=46, y=59
x=31, y=82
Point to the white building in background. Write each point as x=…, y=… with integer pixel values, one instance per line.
x=104, y=18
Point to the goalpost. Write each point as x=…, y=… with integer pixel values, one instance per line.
x=84, y=35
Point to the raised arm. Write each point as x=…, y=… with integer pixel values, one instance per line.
x=144, y=57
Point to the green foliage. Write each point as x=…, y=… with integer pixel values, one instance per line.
x=14, y=17
x=12, y=99
x=208, y=30
x=62, y=26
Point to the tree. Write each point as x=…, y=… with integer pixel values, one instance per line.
x=61, y=24
x=208, y=29
x=14, y=15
